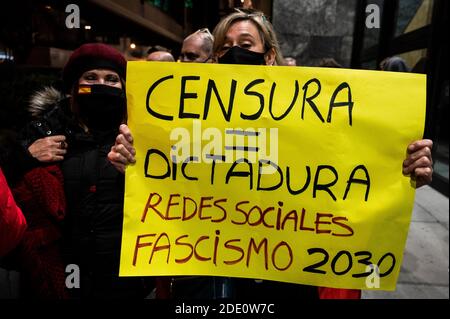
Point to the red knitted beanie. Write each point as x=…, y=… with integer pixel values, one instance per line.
x=91, y=56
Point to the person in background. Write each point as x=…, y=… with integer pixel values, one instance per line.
x=394, y=64
x=249, y=38
x=197, y=47
x=159, y=53
x=160, y=56
x=289, y=61
x=94, y=78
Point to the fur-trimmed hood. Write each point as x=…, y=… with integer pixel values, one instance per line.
x=44, y=100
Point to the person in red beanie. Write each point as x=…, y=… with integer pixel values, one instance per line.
x=83, y=125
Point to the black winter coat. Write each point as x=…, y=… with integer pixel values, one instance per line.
x=94, y=193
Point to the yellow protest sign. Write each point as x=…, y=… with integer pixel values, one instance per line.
x=279, y=173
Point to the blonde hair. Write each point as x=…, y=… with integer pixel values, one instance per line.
x=265, y=28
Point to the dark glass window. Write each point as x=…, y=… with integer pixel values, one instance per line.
x=412, y=15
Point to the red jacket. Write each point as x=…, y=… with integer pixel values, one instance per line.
x=40, y=194
x=12, y=221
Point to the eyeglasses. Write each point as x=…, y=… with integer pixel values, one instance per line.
x=251, y=13
x=203, y=30
x=204, y=33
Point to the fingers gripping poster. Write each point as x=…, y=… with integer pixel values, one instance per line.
x=279, y=173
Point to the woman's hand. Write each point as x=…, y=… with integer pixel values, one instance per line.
x=123, y=152
x=49, y=149
x=419, y=164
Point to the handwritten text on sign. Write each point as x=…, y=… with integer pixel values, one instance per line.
x=277, y=173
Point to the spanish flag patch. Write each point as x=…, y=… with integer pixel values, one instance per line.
x=84, y=90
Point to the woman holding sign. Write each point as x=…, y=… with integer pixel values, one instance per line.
x=249, y=38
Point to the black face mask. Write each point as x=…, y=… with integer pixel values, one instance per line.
x=237, y=55
x=101, y=107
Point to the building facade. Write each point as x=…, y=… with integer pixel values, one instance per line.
x=312, y=30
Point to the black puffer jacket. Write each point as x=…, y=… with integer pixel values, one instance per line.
x=94, y=193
